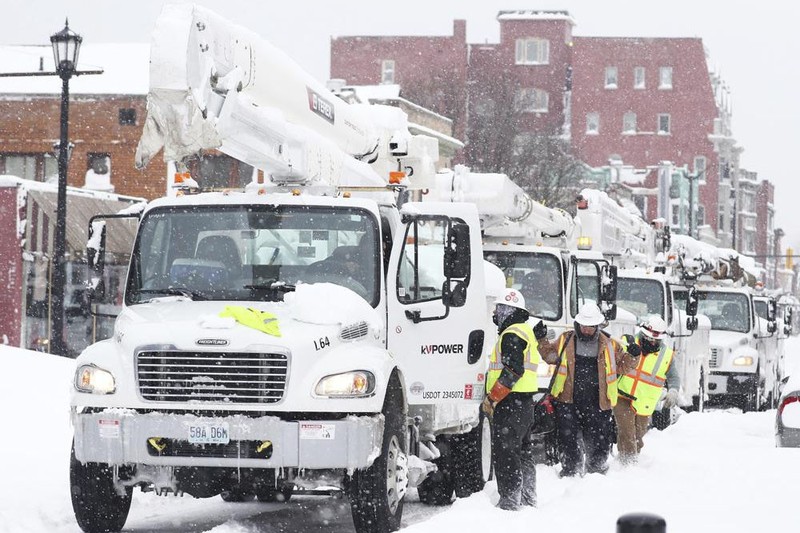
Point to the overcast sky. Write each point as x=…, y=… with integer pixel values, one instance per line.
x=754, y=45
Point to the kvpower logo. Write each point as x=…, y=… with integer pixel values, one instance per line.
x=441, y=348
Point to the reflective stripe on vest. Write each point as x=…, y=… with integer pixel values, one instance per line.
x=644, y=384
x=610, y=365
x=529, y=381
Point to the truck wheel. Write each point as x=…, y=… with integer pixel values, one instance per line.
x=661, y=419
x=377, y=492
x=97, y=505
x=437, y=488
x=236, y=495
x=752, y=400
x=474, y=453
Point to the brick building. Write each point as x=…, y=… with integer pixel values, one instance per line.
x=633, y=101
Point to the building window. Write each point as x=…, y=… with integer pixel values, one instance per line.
x=533, y=51
x=592, y=123
x=700, y=168
x=638, y=77
x=700, y=216
x=665, y=78
x=127, y=117
x=34, y=167
x=387, y=71
x=611, y=77
x=629, y=122
x=531, y=100
x=676, y=214
x=664, y=126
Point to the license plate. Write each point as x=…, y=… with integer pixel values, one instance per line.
x=209, y=433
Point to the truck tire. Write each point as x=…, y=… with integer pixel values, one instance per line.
x=236, y=495
x=752, y=400
x=472, y=452
x=97, y=505
x=377, y=492
x=437, y=488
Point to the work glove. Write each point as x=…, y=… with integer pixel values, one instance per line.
x=540, y=330
x=488, y=407
x=633, y=348
x=671, y=399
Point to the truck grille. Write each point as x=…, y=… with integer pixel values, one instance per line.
x=714, y=361
x=170, y=376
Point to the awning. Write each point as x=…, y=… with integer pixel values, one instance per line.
x=40, y=217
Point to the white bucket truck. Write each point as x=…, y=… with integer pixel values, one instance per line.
x=307, y=331
x=743, y=363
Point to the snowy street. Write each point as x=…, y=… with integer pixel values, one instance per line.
x=714, y=471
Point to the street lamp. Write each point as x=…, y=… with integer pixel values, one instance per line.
x=66, y=46
x=692, y=216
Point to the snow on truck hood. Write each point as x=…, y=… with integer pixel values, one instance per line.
x=728, y=339
x=309, y=303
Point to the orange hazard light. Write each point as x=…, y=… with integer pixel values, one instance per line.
x=396, y=177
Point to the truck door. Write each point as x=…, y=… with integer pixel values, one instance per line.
x=436, y=303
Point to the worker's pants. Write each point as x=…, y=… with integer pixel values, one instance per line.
x=586, y=422
x=630, y=430
x=512, y=451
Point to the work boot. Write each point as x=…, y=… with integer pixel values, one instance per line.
x=597, y=469
x=567, y=472
x=507, y=504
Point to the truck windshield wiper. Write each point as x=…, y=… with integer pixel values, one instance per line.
x=175, y=291
x=272, y=285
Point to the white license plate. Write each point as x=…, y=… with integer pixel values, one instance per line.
x=209, y=433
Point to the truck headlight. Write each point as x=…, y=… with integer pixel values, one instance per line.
x=346, y=385
x=743, y=360
x=90, y=378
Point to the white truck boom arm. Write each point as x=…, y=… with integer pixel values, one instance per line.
x=216, y=85
x=504, y=208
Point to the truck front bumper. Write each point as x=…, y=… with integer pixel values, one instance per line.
x=122, y=436
x=730, y=383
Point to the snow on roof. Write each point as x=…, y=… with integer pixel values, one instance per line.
x=126, y=69
x=535, y=14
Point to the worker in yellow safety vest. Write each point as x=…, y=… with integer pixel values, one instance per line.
x=584, y=390
x=642, y=388
x=511, y=382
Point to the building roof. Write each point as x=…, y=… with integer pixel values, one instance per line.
x=126, y=69
x=535, y=14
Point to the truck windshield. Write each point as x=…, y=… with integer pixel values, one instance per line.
x=642, y=297
x=248, y=253
x=537, y=276
x=727, y=310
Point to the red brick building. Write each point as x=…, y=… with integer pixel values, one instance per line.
x=636, y=100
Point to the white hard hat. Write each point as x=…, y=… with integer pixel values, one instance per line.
x=590, y=315
x=653, y=327
x=512, y=298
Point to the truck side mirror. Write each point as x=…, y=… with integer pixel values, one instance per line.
x=610, y=311
x=608, y=283
x=691, y=323
x=772, y=311
x=457, y=255
x=95, y=254
x=691, y=302
x=454, y=295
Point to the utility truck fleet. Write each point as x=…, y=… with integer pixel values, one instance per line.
x=312, y=330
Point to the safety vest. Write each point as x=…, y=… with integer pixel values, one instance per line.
x=644, y=384
x=610, y=363
x=253, y=318
x=529, y=381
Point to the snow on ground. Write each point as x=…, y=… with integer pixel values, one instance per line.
x=713, y=471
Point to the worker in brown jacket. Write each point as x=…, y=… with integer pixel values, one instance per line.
x=585, y=390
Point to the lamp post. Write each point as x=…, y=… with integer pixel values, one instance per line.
x=66, y=46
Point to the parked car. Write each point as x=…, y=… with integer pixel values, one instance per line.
x=787, y=417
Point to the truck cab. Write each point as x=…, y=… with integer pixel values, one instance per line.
x=739, y=367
